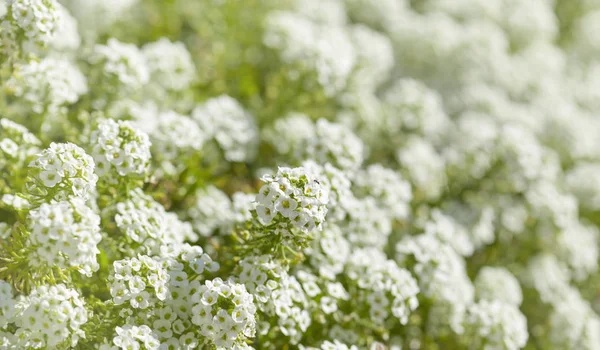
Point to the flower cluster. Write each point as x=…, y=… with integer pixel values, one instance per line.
x=7, y=306
x=147, y=226
x=337, y=183
x=496, y=283
x=49, y=317
x=156, y=296
x=65, y=234
x=442, y=278
x=138, y=281
x=224, y=312
x=391, y=193
x=328, y=345
x=321, y=49
x=330, y=252
x=44, y=86
x=234, y=130
x=28, y=26
x=173, y=137
x=17, y=145
x=133, y=337
x=495, y=324
x=293, y=201
x=385, y=289
x=277, y=294
x=62, y=170
x=574, y=324
x=121, y=145
x=118, y=68
x=297, y=137
x=169, y=64
x=215, y=212
x=66, y=39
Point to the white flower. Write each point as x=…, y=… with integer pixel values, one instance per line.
x=47, y=85
x=391, y=192
x=235, y=131
x=66, y=38
x=49, y=315
x=212, y=212
x=236, y=321
x=573, y=324
x=170, y=64
x=68, y=229
x=95, y=16
x=496, y=324
x=119, y=68
x=7, y=304
x=68, y=163
x=325, y=50
x=122, y=145
x=496, y=283
x=375, y=57
x=33, y=22
x=302, y=203
x=384, y=288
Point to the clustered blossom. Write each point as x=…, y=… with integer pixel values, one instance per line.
x=331, y=345
x=49, y=317
x=142, y=281
x=330, y=252
x=28, y=26
x=170, y=64
x=425, y=168
x=292, y=199
x=137, y=281
x=234, y=130
x=495, y=324
x=148, y=226
x=495, y=283
x=121, y=145
x=156, y=297
x=442, y=278
x=119, y=68
x=134, y=337
x=326, y=297
x=574, y=324
x=297, y=137
x=391, y=192
x=224, y=311
x=384, y=286
x=7, y=306
x=323, y=50
x=173, y=136
x=376, y=60
x=65, y=234
x=66, y=39
x=214, y=212
x=17, y=145
x=17, y=141
x=62, y=170
x=211, y=210
x=46, y=85
x=277, y=294
x=411, y=105
x=337, y=183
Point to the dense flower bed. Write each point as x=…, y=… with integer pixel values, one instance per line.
x=300, y=174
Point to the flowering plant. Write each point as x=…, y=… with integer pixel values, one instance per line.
x=299, y=174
